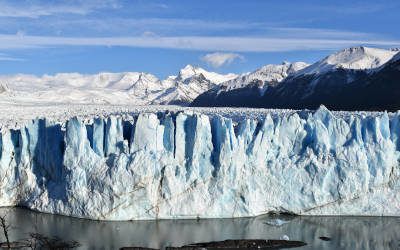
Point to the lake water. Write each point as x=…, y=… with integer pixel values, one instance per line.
x=345, y=232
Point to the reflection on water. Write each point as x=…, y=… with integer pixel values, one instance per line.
x=345, y=232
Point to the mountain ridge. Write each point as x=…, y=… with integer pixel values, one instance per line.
x=342, y=84
x=355, y=58
x=286, y=85
x=106, y=87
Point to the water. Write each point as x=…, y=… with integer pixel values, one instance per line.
x=345, y=232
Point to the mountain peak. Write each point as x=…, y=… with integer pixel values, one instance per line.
x=189, y=67
x=357, y=58
x=188, y=71
x=360, y=58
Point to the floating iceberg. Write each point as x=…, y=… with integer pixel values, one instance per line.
x=192, y=165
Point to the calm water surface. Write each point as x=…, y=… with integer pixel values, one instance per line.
x=345, y=232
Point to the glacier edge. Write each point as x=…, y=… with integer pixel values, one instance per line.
x=192, y=165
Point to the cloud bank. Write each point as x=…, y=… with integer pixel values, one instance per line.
x=201, y=43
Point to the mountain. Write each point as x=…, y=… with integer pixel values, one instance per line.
x=121, y=88
x=114, y=88
x=344, y=80
x=267, y=75
x=190, y=82
x=355, y=58
x=349, y=79
x=190, y=71
x=250, y=85
x=377, y=91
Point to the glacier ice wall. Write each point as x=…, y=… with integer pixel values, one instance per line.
x=190, y=165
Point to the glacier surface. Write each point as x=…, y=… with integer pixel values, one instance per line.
x=195, y=165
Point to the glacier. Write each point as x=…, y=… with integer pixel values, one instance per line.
x=162, y=165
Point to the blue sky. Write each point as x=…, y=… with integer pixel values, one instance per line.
x=89, y=36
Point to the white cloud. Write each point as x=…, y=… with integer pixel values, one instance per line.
x=5, y=57
x=202, y=43
x=219, y=59
x=32, y=9
x=149, y=34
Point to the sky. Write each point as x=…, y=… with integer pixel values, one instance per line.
x=160, y=37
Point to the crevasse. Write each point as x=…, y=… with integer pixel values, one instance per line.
x=190, y=165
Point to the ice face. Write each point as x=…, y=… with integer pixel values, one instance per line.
x=189, y=165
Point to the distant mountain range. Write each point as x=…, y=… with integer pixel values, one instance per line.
x=110, y=88
x=357, y=78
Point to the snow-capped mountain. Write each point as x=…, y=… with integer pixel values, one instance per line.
x=190, y=82
x=190, y=71
x=356, y=58
x=267, y=75
x=295, y=85
x=333, y=71
x=115, y=88
x=345, y=80
x=379, y=90
x=253, y=83
x=117, y=81
x=325, y=79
